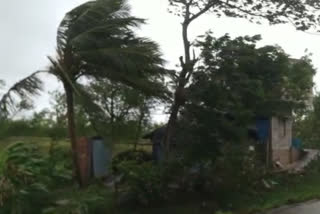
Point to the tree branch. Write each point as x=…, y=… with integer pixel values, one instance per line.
x=181, y=61
x=203, y=11
x=296, y=27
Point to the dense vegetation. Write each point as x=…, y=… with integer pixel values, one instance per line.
x=113, y=80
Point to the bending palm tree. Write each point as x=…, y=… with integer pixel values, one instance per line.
x=96, y=40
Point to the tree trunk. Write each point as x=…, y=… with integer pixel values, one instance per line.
x=72, y=131
x=170, y=128
x=139, y=128
x=179, y=98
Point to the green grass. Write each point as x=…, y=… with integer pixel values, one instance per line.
x=290, y=189
x=44, y=142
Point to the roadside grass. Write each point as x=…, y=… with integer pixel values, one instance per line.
x=291, y=189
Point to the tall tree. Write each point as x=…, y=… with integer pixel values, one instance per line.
x=235, y=83
x=299, y=12
x=96, y=40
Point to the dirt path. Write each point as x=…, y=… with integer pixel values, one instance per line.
x=312, y=207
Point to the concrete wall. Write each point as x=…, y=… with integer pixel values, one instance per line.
x=295, y=155
x=281, y=138
x=281, y=155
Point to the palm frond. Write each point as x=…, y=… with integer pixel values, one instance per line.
x=22, y=90
x=136, y=57
x=97, y=40
x=94, y=16
x=69, y=19
x=151, y=85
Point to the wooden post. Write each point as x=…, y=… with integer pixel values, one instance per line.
x=84, y=160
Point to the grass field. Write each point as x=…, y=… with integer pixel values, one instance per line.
x=44, y=143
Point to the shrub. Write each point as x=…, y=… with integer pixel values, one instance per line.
x=59, y=164
x=146, y=182
x=137, y=156
x=23, y=178
x=75, y=201
x=143, y=181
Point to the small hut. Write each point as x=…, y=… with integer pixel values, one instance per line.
x=156, y=137
x=275, y=135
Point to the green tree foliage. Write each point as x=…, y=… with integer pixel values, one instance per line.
x=58, y=107
x=306, y=127
x=127, y=109
x=103, y=29
x=50, y=122
x=36, y=126
x=300, y=13
x=39, y=124
x=237, y=82
x=265, y=81
x=96, y=40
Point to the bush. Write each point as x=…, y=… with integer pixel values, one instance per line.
x=23, y=179
x=59, y=164
x=137, y=156
x=75, y=201
x=238, y=171
x=27, y=174
x=146, y=182
x=143, y=181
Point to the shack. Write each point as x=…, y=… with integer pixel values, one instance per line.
x=94, y=157
x=156, y=137
x=275, y=136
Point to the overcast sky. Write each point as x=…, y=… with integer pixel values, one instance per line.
x=28, y=32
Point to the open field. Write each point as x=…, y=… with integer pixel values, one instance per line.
x=45, y=142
